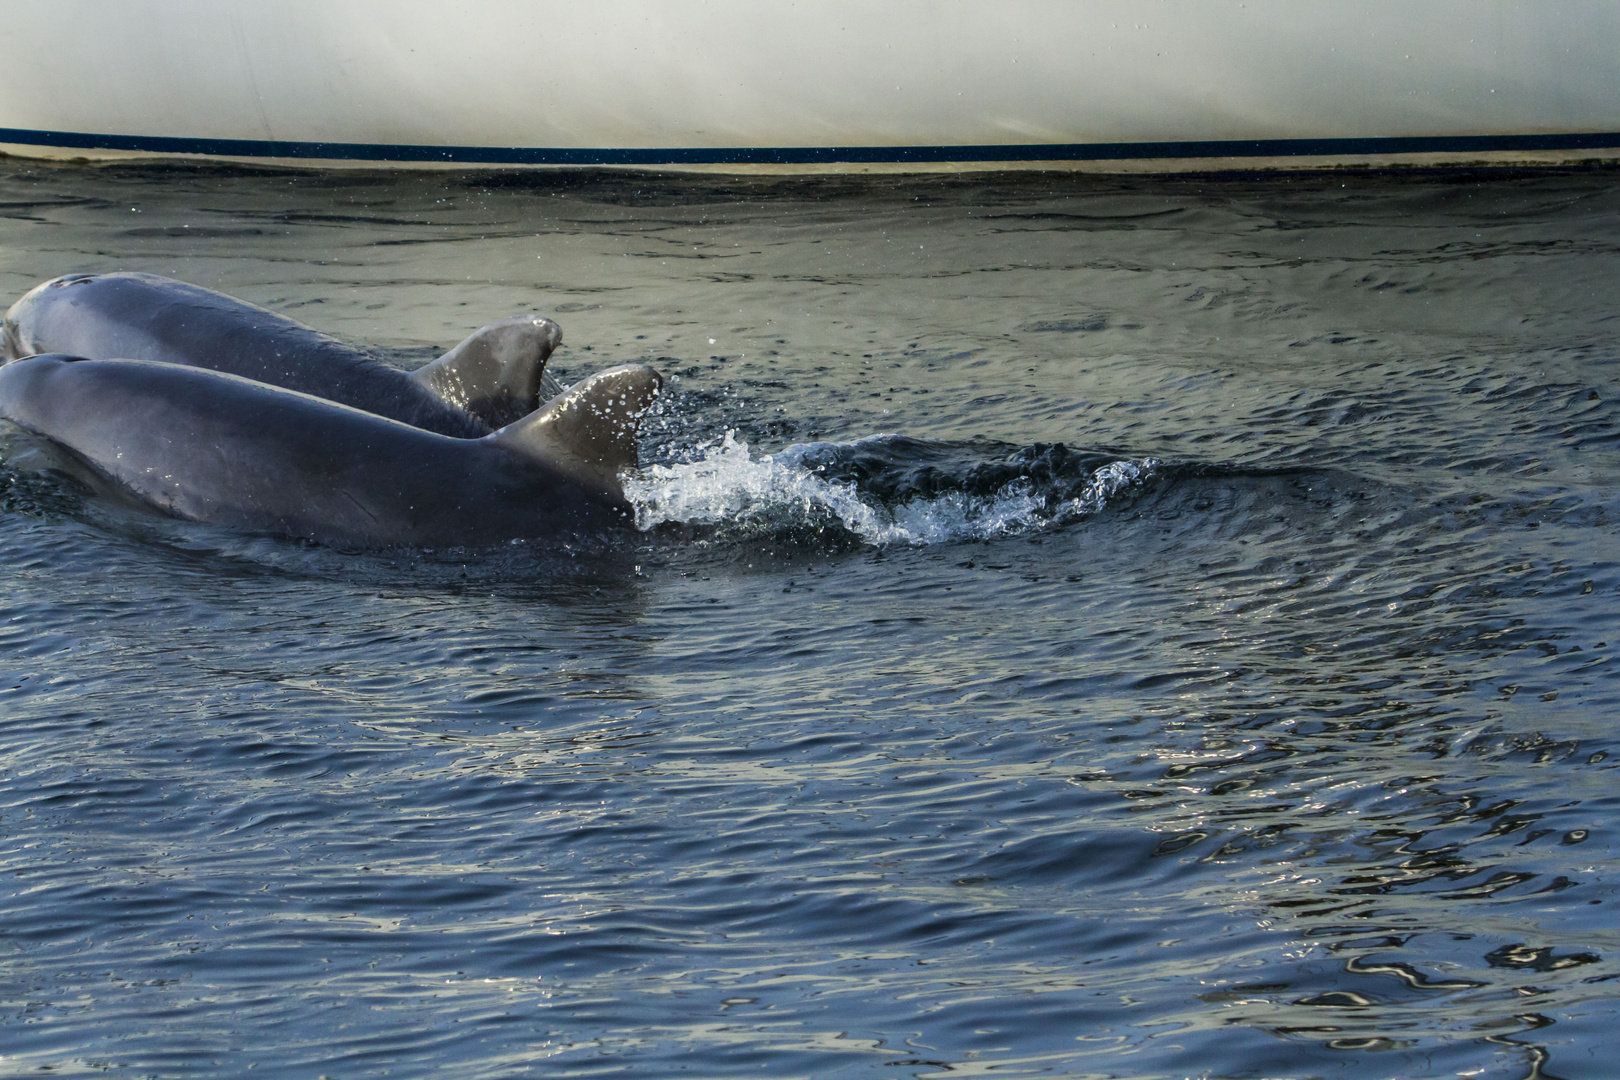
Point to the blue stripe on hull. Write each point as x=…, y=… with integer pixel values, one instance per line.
x=818, y=155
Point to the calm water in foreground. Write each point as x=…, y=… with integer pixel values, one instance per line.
x=1116, y=628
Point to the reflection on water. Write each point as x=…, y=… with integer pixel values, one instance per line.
x=1211, y=678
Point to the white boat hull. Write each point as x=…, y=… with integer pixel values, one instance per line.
x=819, y=84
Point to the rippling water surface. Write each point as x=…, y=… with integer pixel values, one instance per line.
x=1078, y=627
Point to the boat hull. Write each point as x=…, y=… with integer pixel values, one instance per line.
x=836, y=85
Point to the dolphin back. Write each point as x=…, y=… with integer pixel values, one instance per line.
x=138, y=316
x=220, y=448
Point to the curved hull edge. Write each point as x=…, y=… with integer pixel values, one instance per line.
x=1121, y=157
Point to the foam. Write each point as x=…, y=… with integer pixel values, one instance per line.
x=724, y=484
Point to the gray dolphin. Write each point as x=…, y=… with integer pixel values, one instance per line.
x=215, y=447
x=486, y=382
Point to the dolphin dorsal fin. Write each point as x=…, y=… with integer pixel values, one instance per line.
x=497, y=374
x=588, y=432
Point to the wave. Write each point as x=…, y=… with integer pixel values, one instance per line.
x=884, y=489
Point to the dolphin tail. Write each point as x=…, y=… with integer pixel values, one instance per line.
x=588, y=432
x=497, y=374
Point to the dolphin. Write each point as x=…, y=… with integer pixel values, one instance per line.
x=216, y=447
x=489, y=380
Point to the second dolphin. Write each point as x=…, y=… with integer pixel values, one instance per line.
x=494, y=377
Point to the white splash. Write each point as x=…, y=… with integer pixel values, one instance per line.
x=726, y=484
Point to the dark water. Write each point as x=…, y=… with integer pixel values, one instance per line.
x=1116, y=628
